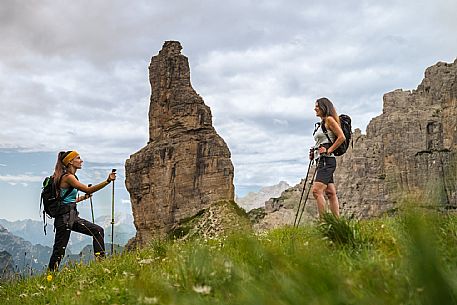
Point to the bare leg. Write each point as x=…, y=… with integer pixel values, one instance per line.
x=318, y=194
x=333, y=199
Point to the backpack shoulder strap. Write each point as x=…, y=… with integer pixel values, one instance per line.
x=316, y=127
x=325, y=131
x=69, y=190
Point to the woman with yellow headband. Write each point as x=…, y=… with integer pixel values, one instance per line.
x=68, y=185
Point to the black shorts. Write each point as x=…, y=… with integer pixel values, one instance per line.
x=325, y=168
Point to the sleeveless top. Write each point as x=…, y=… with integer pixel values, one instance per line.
x=70, y=198
x=321, y=138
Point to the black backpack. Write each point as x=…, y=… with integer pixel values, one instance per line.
x=345, y=123
x=51, y=201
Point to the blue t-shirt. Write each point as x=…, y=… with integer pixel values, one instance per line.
x=71, y=198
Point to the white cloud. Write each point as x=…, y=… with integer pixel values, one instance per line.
x=20, y=178
x=83, y=84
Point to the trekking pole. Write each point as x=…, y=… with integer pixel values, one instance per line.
x=301, y=197
x=307, y=193
x=91, y=205
x=112, y=217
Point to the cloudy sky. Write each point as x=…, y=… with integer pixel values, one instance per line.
x=73, y=75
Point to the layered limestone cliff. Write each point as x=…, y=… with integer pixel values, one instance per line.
x=186, y=165
x=410, y=149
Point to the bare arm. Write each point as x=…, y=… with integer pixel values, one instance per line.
x=70, y=180
x=336, y=129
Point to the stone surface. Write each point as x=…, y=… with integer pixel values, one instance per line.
x=408, y=150
x=220, y=219
x=186, y=165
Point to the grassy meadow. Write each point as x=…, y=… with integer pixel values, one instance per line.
x=409, y=258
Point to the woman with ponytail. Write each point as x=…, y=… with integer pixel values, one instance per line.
x=68, y=186
x=328, y=136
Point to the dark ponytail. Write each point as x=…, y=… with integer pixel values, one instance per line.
x=60, y=169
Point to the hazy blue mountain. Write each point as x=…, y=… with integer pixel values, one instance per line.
x=123, y=231
x=255, y=200
x=21, y=257
x=6, y=265
x=32, y=231
x=27, y=258
x=87, y=254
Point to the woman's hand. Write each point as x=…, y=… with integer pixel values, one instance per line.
x=322, y=150
x=84, y=197
x=111, y=177
x=311, y=153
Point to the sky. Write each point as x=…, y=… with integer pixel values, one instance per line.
x=74, y=75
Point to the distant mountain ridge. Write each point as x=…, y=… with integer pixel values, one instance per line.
x=32, y=231
x=26, y=258
x=6, y=265
x=255, y=200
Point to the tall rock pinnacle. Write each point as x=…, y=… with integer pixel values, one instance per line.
x=186, y=165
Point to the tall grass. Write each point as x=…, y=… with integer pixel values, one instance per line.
x=406, y=259
x=342, y=231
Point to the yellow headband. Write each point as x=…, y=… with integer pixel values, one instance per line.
x=69, y=157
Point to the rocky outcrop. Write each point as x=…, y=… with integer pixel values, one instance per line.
x=186, y=165
x=220, y=219
x=410, y=149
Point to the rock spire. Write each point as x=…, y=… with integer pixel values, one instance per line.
x=186, y=165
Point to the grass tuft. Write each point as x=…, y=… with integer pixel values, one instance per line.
x=341, y=231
